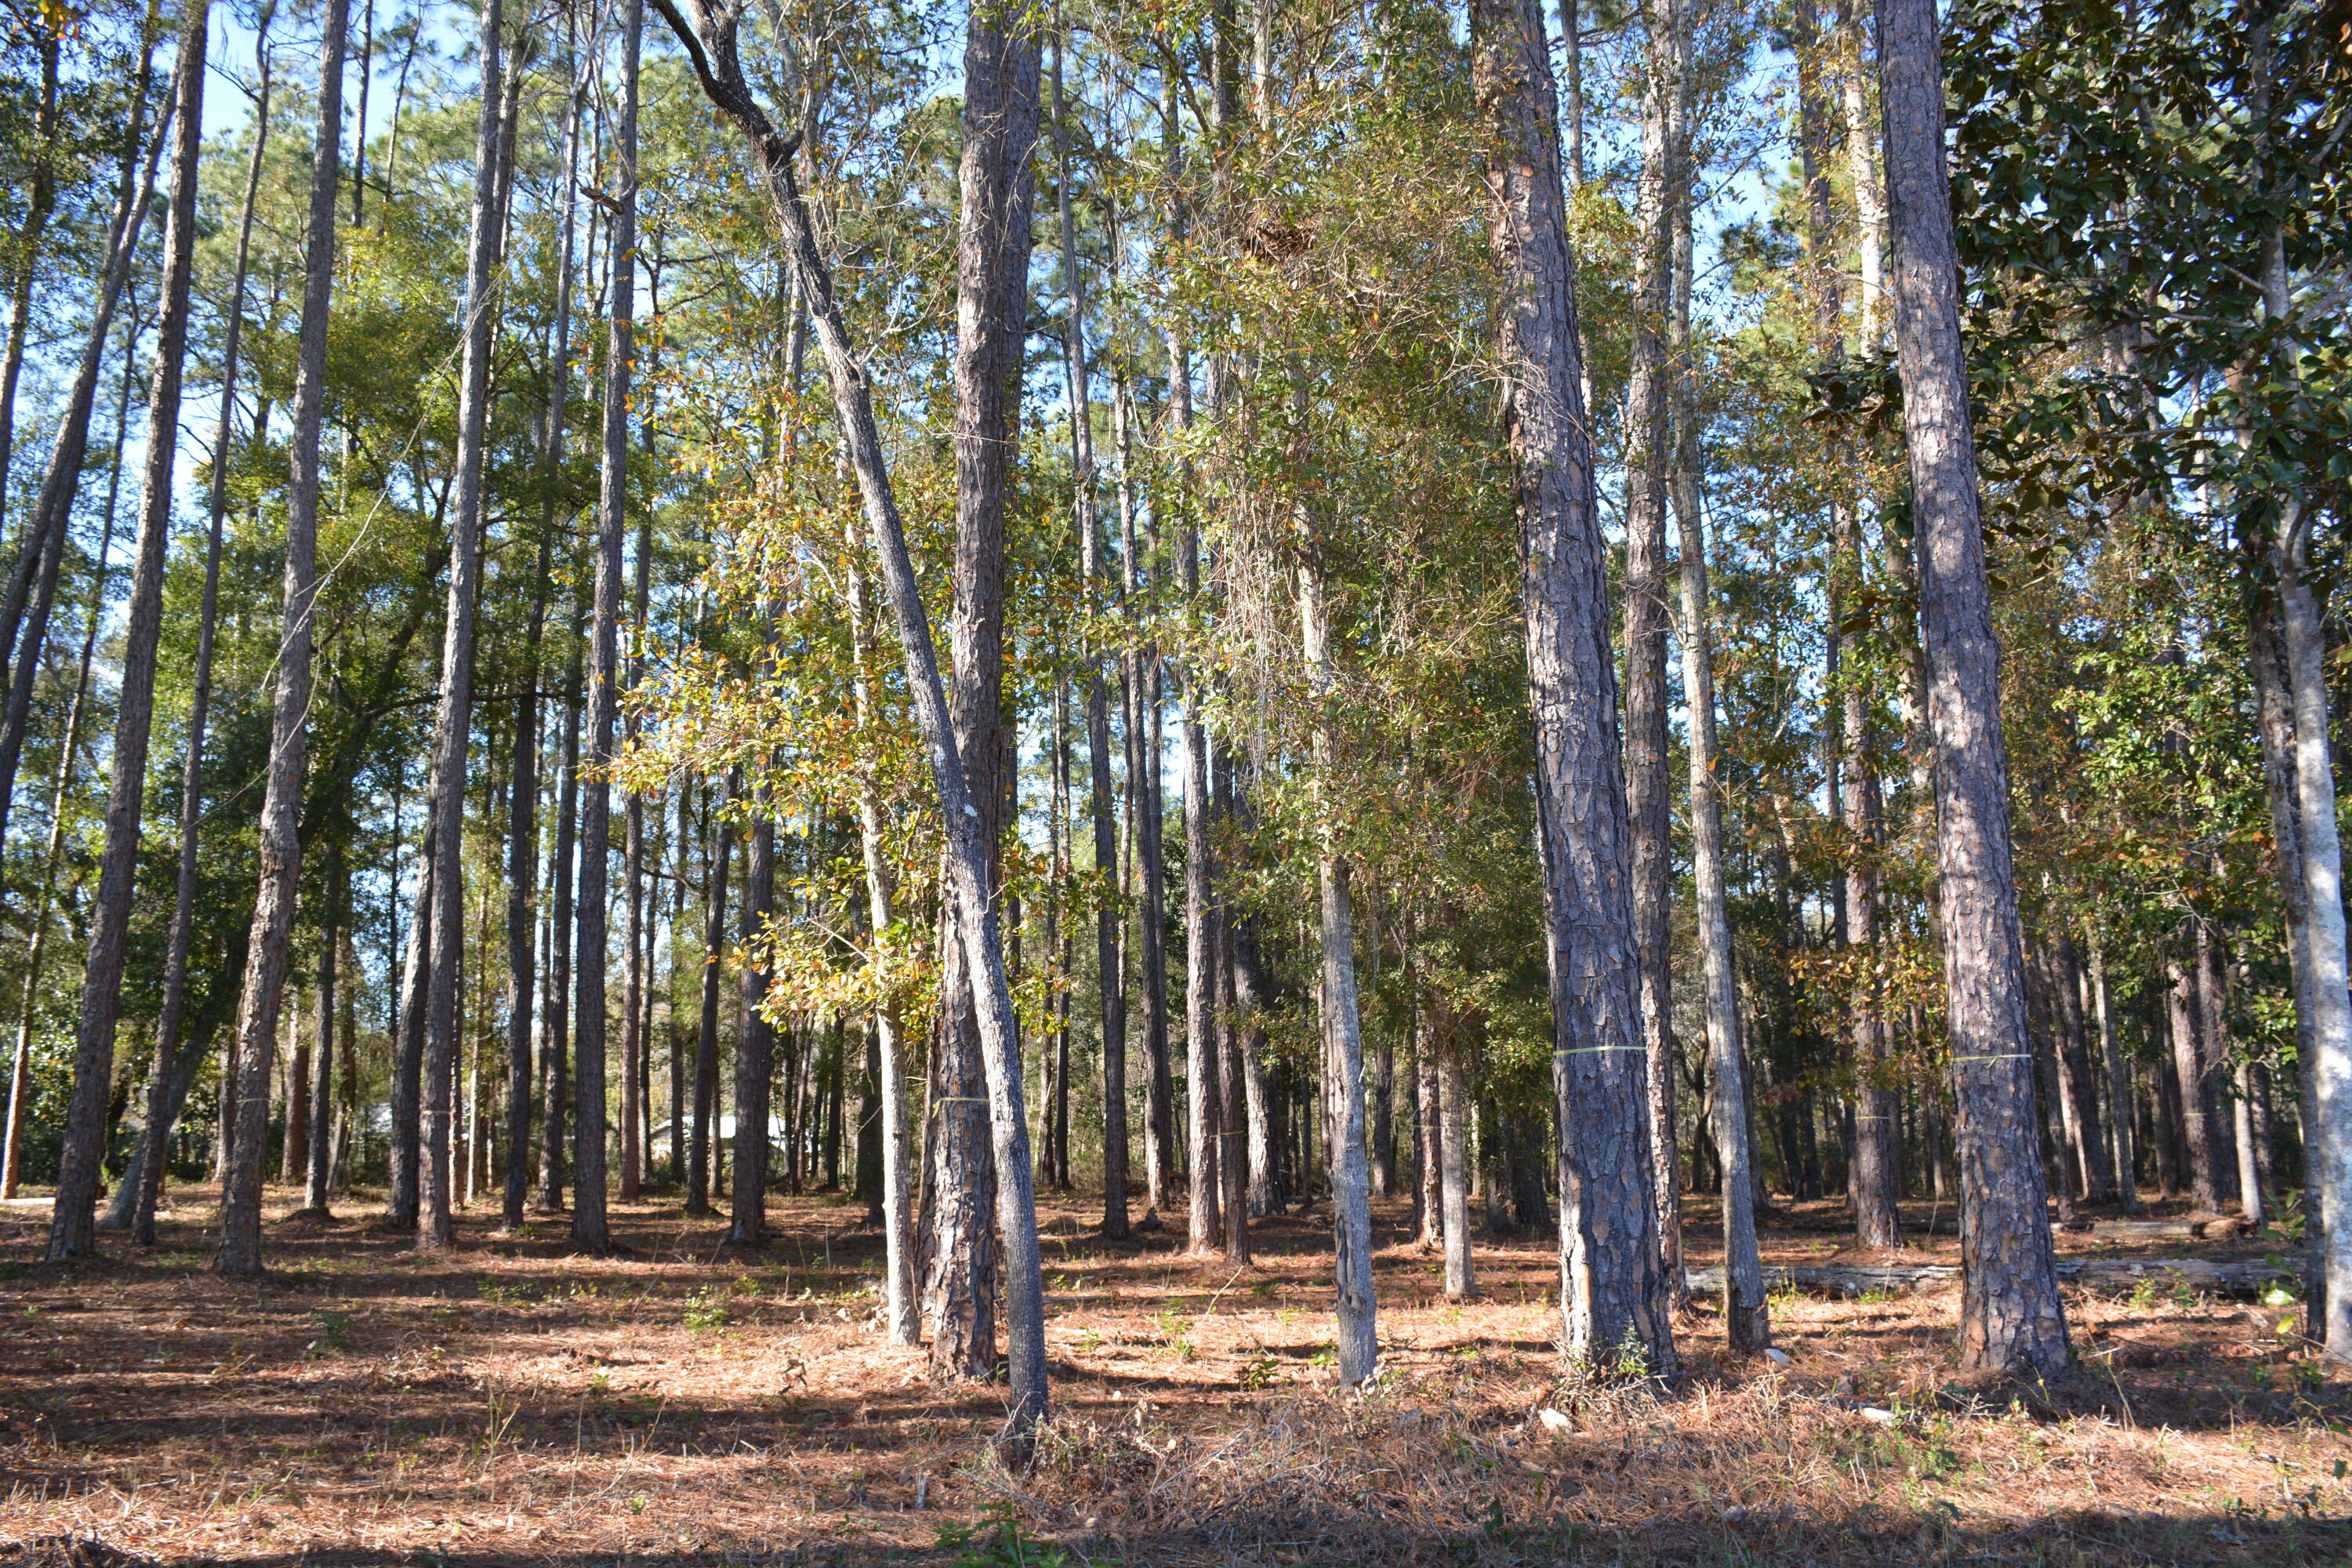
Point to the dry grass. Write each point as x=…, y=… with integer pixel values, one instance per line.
x=687, y=1401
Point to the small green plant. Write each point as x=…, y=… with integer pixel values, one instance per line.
x=1260, y=1372
x=2287, y=1222
x=636, y=1505
x=706, y=1309
x=2143, y=1294
x=2184, y=1295
x=1089, y=1340
x=1324, y=1355
x=1176, y=1333
x=999, y=1542
x=598, y=1381
x=334, y=1335
x=448, y=1316
x=491, y=1290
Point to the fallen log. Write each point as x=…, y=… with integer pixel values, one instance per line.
x=2243, y=1277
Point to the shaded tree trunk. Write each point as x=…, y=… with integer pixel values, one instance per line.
x=554, y=1051
x=320, y=1176
x=755, y=1045
x=706, y=1039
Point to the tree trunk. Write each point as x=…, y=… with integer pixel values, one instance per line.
x=2213, y=1053
x=1747, y=1316
x=1342, y=1027
x=12, y=1155
x=45, y=535
x=970, y=880
x=1648, y=792
x=2330, y=1155
x=755, y=1045
x=320, y=1174
x=2012, y=1317
x=407, y=1090
x=452, y=720
x=590, y=1230
x=2120, y=1095
x=706, y=1038
x=2197, y=1098
x=554, y=1055
x=72, y=1224
x=522, y=842
x=1454, y=1172
x=1614, y=1292
x=1204, y=1113
x=2096, y=1168
x=1232, y=1133
x=40, y=202
x=150, y=1157
x=901, y=1316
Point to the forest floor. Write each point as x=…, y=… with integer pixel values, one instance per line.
x=688, y=1404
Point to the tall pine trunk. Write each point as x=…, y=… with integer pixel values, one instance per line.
x=453, y=718
x=590, y=1228
x=1614, y=1293
x=2011, y=1319
x=706, y=1038
x=554, y=1079
x=1662, y=194
x=72, y=1224
x=148, y=1190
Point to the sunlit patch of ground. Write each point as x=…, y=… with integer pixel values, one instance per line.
x=691, y=1401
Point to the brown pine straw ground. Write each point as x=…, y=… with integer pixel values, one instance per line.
x=690, y=1404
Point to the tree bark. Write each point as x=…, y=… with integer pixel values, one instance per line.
x=2011, y=1319
x=711, y=48
x=591, y=1227
x=1648, y=794
x=1746, y=1315
x=452, y=721
x=320, y=1174
x=554, y=1051
x=755, y=1047
x=1614, y=1291
x=902, y=1314
x=20, y=1088
x=1342, y=1026
x=35, y=576
x=1454, y=1172
x=149, y=1158
x=2196, y=1099
x=407, y=1090
x=72, y=1225
x=706, y=1038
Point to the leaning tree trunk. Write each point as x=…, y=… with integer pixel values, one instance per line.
x=35, y=576
x=1614, y=1292
x=590, y=1229
x=711, y=47
x=150, y=1163
x=2011, y=1315
x=40, y=203
x=20, y=1065
x=452, y=720
x=72, y=1224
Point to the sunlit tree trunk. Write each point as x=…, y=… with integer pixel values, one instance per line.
x=2011, y=1319
x=590, y=1230
x=72, y=1224
x=1613, y=1291
x=148, y=1190
x=452, y=723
